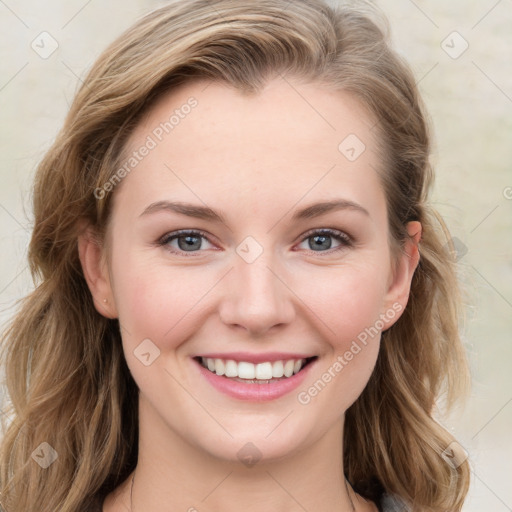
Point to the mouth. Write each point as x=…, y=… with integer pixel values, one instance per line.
x=255, y=373
x=254, y=381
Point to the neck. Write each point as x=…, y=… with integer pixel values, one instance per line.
x=184, y=477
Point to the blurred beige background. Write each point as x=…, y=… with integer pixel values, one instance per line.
x=461, y=53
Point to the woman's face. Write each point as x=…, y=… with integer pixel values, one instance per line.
x=266, y=276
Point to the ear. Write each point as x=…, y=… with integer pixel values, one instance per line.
x=94, y=265
x=399, y=286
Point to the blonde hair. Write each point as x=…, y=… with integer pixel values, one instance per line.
x=66, y=376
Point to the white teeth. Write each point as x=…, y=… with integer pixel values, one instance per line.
x=261, y=371
x=288, y=368
x=219, y=367
x=264, y=371
x=246, y=370
x=278, y=369
x=231, y=368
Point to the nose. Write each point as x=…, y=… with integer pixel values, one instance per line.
x=257, y=298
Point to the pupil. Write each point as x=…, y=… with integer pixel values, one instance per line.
x=322, y=238
x=190, y=242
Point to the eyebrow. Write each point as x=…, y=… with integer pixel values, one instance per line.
x=206, y=213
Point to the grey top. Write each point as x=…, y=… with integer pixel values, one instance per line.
x=391, y=503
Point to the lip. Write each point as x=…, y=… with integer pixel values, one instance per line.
x=254, y=392
x=255, y=358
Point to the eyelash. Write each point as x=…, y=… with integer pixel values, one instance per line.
x=344, y=238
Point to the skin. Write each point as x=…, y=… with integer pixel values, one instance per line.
x=256, y=159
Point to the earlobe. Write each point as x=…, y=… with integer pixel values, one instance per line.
x=96, y=274
x=400, y=285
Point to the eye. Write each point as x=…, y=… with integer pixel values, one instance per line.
x=191, y=241
x=183, y=241
x=322, y=239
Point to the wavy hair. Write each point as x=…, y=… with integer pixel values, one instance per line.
x=66, y=377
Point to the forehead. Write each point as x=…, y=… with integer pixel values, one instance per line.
x=209, y=141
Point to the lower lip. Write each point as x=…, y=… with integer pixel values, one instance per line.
x=254, y=392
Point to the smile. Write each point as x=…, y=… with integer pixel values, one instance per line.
x=254, y=381
x=263, y=372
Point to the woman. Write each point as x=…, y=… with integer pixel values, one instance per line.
x=243, y=296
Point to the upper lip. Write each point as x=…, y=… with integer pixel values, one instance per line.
x=255, y=358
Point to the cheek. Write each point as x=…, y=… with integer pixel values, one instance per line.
x=347, y=300
x=158, y=302
x=349, y=308
x=158, y=310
